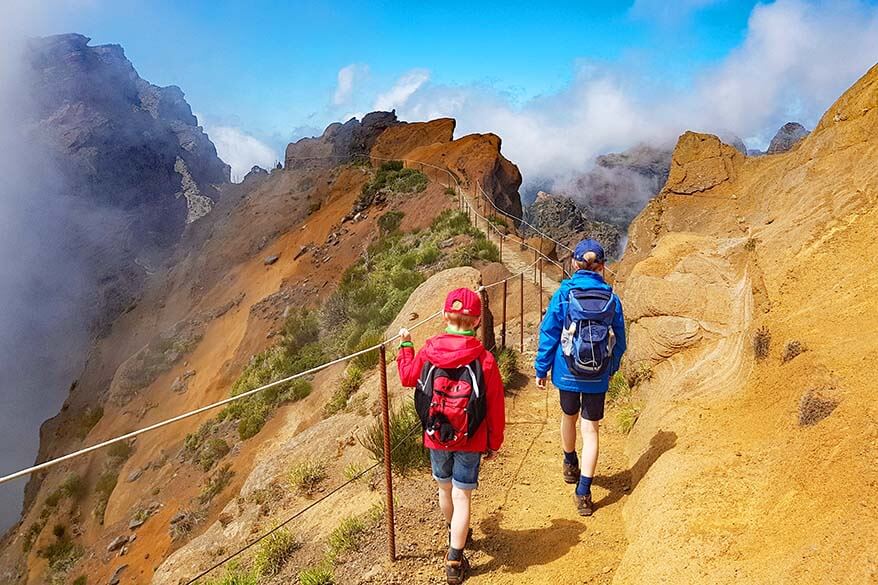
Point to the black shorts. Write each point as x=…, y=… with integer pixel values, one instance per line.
x=589, y=405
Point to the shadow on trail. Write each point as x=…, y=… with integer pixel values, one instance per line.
x=624, y=482
x=513, y=551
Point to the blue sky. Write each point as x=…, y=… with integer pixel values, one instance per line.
x=271, y=70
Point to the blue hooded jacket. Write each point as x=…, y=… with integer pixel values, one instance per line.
x=549, y=355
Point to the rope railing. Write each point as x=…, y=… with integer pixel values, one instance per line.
x=130, y=435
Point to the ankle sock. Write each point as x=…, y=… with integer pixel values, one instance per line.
x=571, y=458
x=454, y=554
x=584, y=487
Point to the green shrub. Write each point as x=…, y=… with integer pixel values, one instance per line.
x=347, y=386
x=619, y=388
x=641, y=373
x=53, y=499
x=450, y=191
x=507, y=363
x=353, y=470
x=121, y=450
x=236, y=575
x=81, y=580
x=408, y=452
x=274, y=552
x=389, y=222
x=317, y=575
x=61, y=554
x=103, y=490
x=300, y=328
x=346, y=537
x=275, y=363
x=72, y=487
x=480, y=249
x=369, y=360
x=627, y=416
x=212, y=451
x=306, y=477
x=215, y=484
x=88, y=420
x=392, y=178
x=31, y=535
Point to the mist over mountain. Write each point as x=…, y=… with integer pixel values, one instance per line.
x=102, y=173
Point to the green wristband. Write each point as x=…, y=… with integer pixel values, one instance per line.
x=406, y=344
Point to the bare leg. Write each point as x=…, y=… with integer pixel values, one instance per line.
x=445, y=503
x=568, y=432
x=460, y=518
x=589, y=460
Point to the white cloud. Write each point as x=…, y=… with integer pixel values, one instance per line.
x=402, y=90
x=239, y=150
x=348, y=76
x=796, y=59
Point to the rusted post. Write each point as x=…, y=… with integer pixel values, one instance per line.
x=540, y=263
x=536, y=257
x=388, y=472
x=503, y=327
x=521, y=314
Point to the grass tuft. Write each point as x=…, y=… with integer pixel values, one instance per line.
x=507, y=362
x=409, y=452
x=274, y=552
x=762, y=343
x=316, y=575
x=347, y=386
x=307, y=476
x=792, y=350
x=346, y=537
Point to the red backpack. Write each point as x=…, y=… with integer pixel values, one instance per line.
x=451, y=402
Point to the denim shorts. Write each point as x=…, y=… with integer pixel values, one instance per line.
x=461, y=468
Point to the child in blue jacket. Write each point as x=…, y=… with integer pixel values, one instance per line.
x=582, y=396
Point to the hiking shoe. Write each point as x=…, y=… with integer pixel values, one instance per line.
x=455, y=571
x=584, y=505
x=571, y=473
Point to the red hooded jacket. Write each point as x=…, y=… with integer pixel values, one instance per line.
x=450, y=350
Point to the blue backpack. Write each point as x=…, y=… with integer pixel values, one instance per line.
x=586, y=340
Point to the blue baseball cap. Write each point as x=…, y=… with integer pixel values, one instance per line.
x=586, y=246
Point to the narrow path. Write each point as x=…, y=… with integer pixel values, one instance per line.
x=526, y=525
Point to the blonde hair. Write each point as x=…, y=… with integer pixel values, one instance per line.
x=589, y=262
x=461, y=322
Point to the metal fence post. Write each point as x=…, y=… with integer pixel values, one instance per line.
x=388, y=471
x=521, y=314
x=501, y=247
x=540, y=264
x=503, y=327
x=536, y=257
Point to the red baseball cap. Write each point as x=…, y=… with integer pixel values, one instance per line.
x=463, y=301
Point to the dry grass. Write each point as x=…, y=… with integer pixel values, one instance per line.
x=307, y=476
x=814, y=406
x=762, y=343
x=791, y=350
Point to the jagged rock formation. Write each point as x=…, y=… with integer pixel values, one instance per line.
x=130, y=151
x=777, y=249
x=567, y=222
x=786, y=137
x=340, y=143
x=701, y=162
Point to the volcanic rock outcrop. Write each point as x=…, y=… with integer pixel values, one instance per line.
x=564, y=220
x=786, y=137
x=731, y=271
x=129, y=151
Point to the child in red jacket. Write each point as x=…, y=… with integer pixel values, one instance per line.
x=459, y=398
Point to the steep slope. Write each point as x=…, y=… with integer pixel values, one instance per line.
x=730, y=273
x=277, y=242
